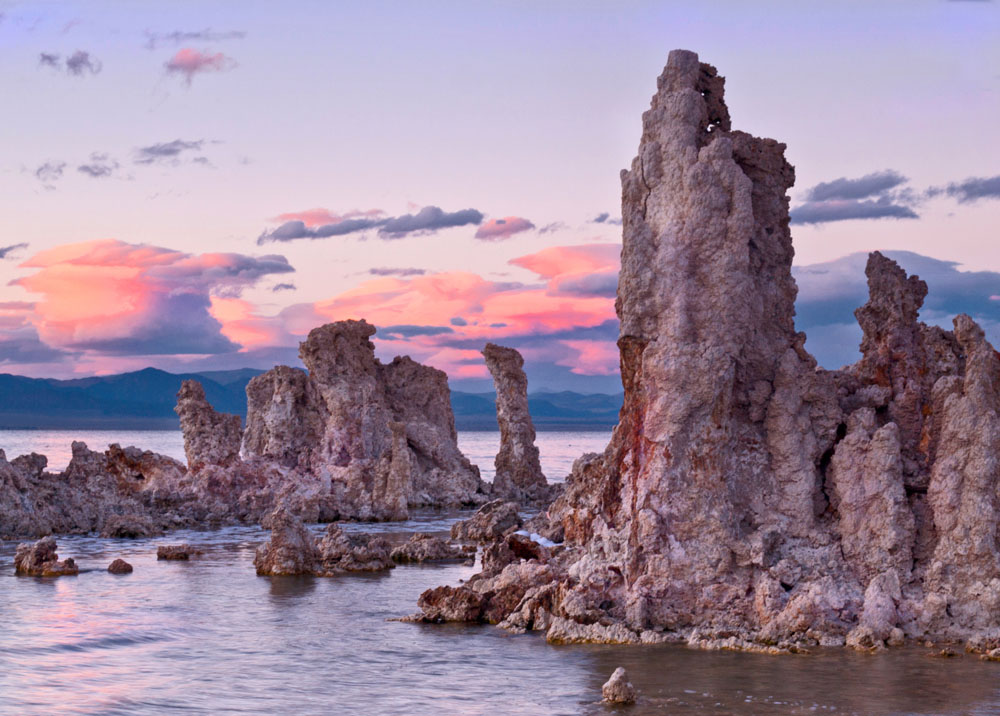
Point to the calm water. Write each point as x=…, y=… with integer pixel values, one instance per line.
x=558, y=449
x=210, y=637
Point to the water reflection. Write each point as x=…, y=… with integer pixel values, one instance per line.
x=210, y=637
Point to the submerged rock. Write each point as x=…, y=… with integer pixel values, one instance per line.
x=426, y=548
x=748, y=498
x=120, y=566
x=618, y=689
x=518, y=472
x=40, y=560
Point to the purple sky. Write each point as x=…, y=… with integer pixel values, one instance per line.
x=194, y=185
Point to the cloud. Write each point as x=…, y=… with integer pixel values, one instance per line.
x=4, y=250
x=458, y=321
x=178, y=37
x=971, y=190
x=50, y=172
x=551, y=228
x=385, y=271
x=78, y=64
x=190, y=62
x=427, y=220
x=861, y=188
x=100, y=166
x=116, y=298
x=606, y=218
x=604, y=283
x=562, y=261
x=500, y=229
x=283, y=287
x=879, y=195
x=820, y=212
x=320, y=216
x=166, y=151
x=408, y=331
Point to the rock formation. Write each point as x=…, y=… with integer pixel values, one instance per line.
x=427, y=548
x=749, y=499
x=210, y=438
x=176, y=552
x=292, y=550
x=352, y=438
x=518, y=472
x=618, y=689
x=123, y=492
x=491, y=521
x=40, y=560
x=120, y=566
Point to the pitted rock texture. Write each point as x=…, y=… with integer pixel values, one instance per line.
x=427, y=548
x=293, y=550
x=123, y=492
x=518, y=472
x=618, y=689
x=40, y=560
x=749, y=499
x=491, y=521
x=210, y=438
x=371, y=439
x=120, y=566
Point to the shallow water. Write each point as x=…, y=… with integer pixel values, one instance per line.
x=558, y=449
x=210, y=637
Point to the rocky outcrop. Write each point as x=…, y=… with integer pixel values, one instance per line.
x=123, y=492
x=518, y=472
x=749, y=499
x=491, y=521
x=210, y=438
x=427, y=548
x=293, y=550
x=40, y=560
x=352, y=438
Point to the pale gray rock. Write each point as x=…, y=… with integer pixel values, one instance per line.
x=491, y=521
x=291, y=549
x=427, y=548
x=518, y=472
x=618, y=689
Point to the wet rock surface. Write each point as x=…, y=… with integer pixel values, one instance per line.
x=749, y=499
x=518, y=472
x=40, y=560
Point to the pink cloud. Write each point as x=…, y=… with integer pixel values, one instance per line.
x=565, y=260
x=320, y=216
x=117, y=298
x=500, y=229
x=189, y=62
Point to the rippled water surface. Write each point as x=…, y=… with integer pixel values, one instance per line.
x=208, y=636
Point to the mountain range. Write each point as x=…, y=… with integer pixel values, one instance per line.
x=145, y=399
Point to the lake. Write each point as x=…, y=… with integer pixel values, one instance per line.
x=208, y=636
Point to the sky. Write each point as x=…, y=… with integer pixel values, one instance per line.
x=194, y=186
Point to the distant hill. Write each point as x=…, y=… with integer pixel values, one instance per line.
x=145, y=399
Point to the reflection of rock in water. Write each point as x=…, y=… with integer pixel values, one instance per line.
x=749, y=499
